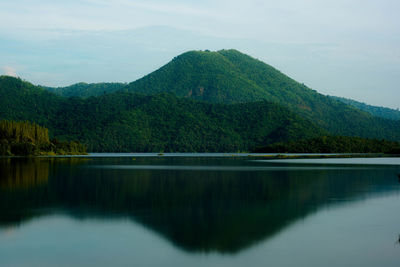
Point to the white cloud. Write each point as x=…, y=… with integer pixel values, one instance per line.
x=9, y=71
x=274, y=21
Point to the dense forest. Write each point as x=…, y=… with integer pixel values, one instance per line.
x=25, y=139
x=333, y=144
x=221, y=101
x=125, y=122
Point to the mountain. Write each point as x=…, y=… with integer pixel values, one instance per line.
x=200, y=101
x=382, y=112
x=126, y=122
x=228, y=76
x=85, y=90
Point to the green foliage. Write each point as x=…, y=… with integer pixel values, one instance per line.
x=382, y=112
x=333, y=144
x=25, y=138
x=23, y=132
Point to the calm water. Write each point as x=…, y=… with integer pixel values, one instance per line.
x=199, y=211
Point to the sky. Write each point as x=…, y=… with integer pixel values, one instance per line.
x=348, y=48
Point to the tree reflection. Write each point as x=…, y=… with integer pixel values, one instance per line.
x=23, y=174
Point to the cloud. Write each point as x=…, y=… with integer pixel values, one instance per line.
x=9, y=71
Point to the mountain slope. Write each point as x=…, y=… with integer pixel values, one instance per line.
x=205, y=76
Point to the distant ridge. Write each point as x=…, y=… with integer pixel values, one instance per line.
x=85, y=90
x=382, y=112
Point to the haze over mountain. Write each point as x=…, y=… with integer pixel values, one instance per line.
x=200, y=101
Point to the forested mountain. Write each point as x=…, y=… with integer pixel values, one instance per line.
x=387, y=113
x=125, y=121
x=228, y=76
x=200, y=101
x=85, y=90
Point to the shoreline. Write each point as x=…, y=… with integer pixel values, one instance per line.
x=265, y=156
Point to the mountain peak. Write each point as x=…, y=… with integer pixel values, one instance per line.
x=8, y=77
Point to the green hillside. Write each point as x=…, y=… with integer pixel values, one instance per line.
x=205, y=76
x=228, y=76
x=382, y=112
x=126, y=122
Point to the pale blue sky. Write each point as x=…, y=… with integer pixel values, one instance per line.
x=348, y=48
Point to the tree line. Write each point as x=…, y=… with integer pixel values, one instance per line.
x=26, y=138
x=333, y=144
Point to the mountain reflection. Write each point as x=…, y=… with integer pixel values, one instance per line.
x=197, y=210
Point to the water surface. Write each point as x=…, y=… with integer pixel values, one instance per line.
x=198, y=211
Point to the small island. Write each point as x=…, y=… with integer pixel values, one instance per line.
x=29, y=139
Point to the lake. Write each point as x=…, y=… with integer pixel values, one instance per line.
x=199, y=210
